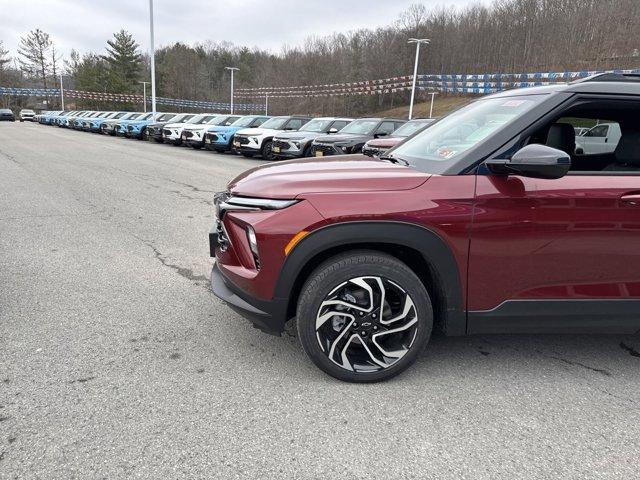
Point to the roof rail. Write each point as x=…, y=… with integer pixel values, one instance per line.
x=611, y=77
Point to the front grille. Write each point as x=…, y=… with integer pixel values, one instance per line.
x=242, y=140
x=325, y=149
x=282, y=144
x=166, y=131
x=212, y=136
x=187, y=134
x=218, y=199
x=116, y=126
x=130, y=128
x=373, y=151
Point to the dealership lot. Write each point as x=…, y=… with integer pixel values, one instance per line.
x=116, y=360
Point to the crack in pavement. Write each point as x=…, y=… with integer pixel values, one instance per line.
x=632, y=351
x=182, y=271
x=578, y=364
x=189, y=197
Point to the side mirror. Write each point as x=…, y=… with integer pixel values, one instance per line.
x=333, y=130
x=380, y=134
x=535, y=161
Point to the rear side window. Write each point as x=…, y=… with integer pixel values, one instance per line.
x=294, y=124
x=258, y=121
x=386, y=127
x=339, y=124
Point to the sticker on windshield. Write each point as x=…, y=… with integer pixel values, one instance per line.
x=445, y=152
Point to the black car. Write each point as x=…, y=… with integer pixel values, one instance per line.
x=154, y=130
x=298, y=144
x=7, y=115
x=352, y=137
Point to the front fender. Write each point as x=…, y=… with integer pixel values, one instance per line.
x=429, y=244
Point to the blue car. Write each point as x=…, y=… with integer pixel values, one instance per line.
x=121, y=126
x=94, y=124
x=52, y=119
x=138, y=128
x=220, y=137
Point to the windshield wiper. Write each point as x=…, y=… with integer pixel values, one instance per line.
x=392, y=159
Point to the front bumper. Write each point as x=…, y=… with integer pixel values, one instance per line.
x=285, y=149
x=268, y=316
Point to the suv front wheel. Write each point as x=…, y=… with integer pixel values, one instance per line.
x=364, y=317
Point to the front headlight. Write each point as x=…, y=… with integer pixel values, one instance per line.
x=254, y=139
x=250, y=203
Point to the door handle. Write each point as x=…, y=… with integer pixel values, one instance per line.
x=631, y=199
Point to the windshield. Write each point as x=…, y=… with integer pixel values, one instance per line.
x=164, y=117
x=410, y=128
x=361, y=127
x=439, y=146
x=131, y=116
x=146, y=116
x=316, y=126
x=221, y=120
x=243, y=122
x=276, y=123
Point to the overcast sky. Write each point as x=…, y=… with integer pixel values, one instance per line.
x=269, y=24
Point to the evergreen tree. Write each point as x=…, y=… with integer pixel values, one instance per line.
x=124, y=62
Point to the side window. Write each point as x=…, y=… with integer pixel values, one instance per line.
x=599, y=137
x=386, y=127
x=258, y=121
x=294, y=124
x=398, y=125
x=339, y=124
x=600, y=131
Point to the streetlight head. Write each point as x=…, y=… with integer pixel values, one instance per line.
x=419, y=40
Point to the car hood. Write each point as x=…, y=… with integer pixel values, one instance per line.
x=177, y=125
x=345, y=137
x=225, y=128
x=386, y=142
x=299, y=135
x=257, y=132
x=345, y=173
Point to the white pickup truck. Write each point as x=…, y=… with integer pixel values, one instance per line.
x=603, y=138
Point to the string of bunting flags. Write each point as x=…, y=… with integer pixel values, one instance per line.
x=125, y=98
x=480, y=84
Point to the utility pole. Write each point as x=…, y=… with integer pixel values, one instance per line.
x=61, y=93
x=266, y=104
x=232, y=69
x=144, y=95
x=418, y=42
x=153, y=63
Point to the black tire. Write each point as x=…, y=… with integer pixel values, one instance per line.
x=267, y=150
x=339, y=271
x=145, y=135
x=307, y=151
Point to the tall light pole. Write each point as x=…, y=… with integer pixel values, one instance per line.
x=61, y=94
x=144, y=95
x=418, y=42
x=153, y=63
x=232, y=69
x=266, y=104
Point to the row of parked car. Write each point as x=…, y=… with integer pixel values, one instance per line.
x=25, y=115
x=269, y=137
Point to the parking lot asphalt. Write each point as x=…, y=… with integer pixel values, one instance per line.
x=116, y=361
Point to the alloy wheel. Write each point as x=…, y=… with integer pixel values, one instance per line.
x=366, y=324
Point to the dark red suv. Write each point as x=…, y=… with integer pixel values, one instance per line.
x=487, y=221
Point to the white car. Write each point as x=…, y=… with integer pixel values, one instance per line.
x=193, y=135
x=602, y=138
x=172, y=132
x=27, y=114
x=259, y=141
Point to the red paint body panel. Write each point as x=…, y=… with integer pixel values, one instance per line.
x=571, y=238
x=349, y=173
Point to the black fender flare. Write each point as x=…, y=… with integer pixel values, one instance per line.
x=429, y=244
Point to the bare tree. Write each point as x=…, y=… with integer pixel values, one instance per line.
x=34, y=49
